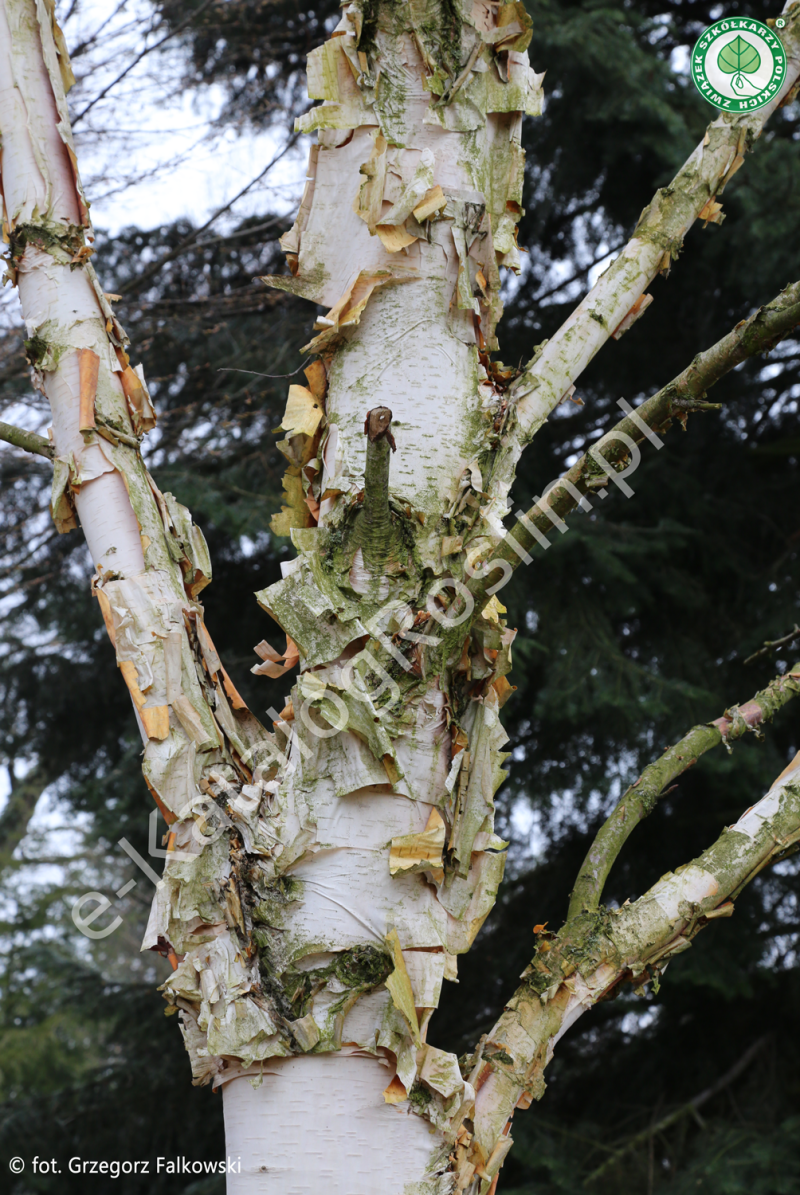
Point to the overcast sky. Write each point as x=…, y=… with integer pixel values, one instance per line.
x=152, y=129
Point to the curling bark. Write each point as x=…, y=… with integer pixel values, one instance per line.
x=322, y=881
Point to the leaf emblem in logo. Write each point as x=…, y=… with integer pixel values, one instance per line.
x=739, y=58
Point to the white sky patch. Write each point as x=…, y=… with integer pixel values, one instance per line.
x=638, y=1021
x=601, y=266
x=154, y=151
x=679, y=60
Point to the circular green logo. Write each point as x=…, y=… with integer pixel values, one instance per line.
x=738, y=64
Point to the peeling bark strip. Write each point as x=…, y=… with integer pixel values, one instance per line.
x=322, y=880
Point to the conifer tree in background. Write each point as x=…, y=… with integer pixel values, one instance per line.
x=302, y=931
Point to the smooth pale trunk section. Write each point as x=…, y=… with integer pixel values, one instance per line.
x=109, y=525
x=413, y=350
x=404, y=356
x=63, y=297
x=318, y=1125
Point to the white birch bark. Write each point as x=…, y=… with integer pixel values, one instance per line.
x=323, y=881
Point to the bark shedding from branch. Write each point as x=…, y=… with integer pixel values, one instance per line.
x=595, y=951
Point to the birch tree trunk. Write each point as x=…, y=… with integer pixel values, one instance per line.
x=308, y=904
x=323, y=880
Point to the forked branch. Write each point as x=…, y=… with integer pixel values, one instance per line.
x=642, y=796
x=596, y=951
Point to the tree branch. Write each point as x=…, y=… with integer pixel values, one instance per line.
x=596, y=951
x=30, y=441
x=376, y=524
x=774, y=644
x=641, y=798
x=231, y=236
x=685, y=393
x=655, y=243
